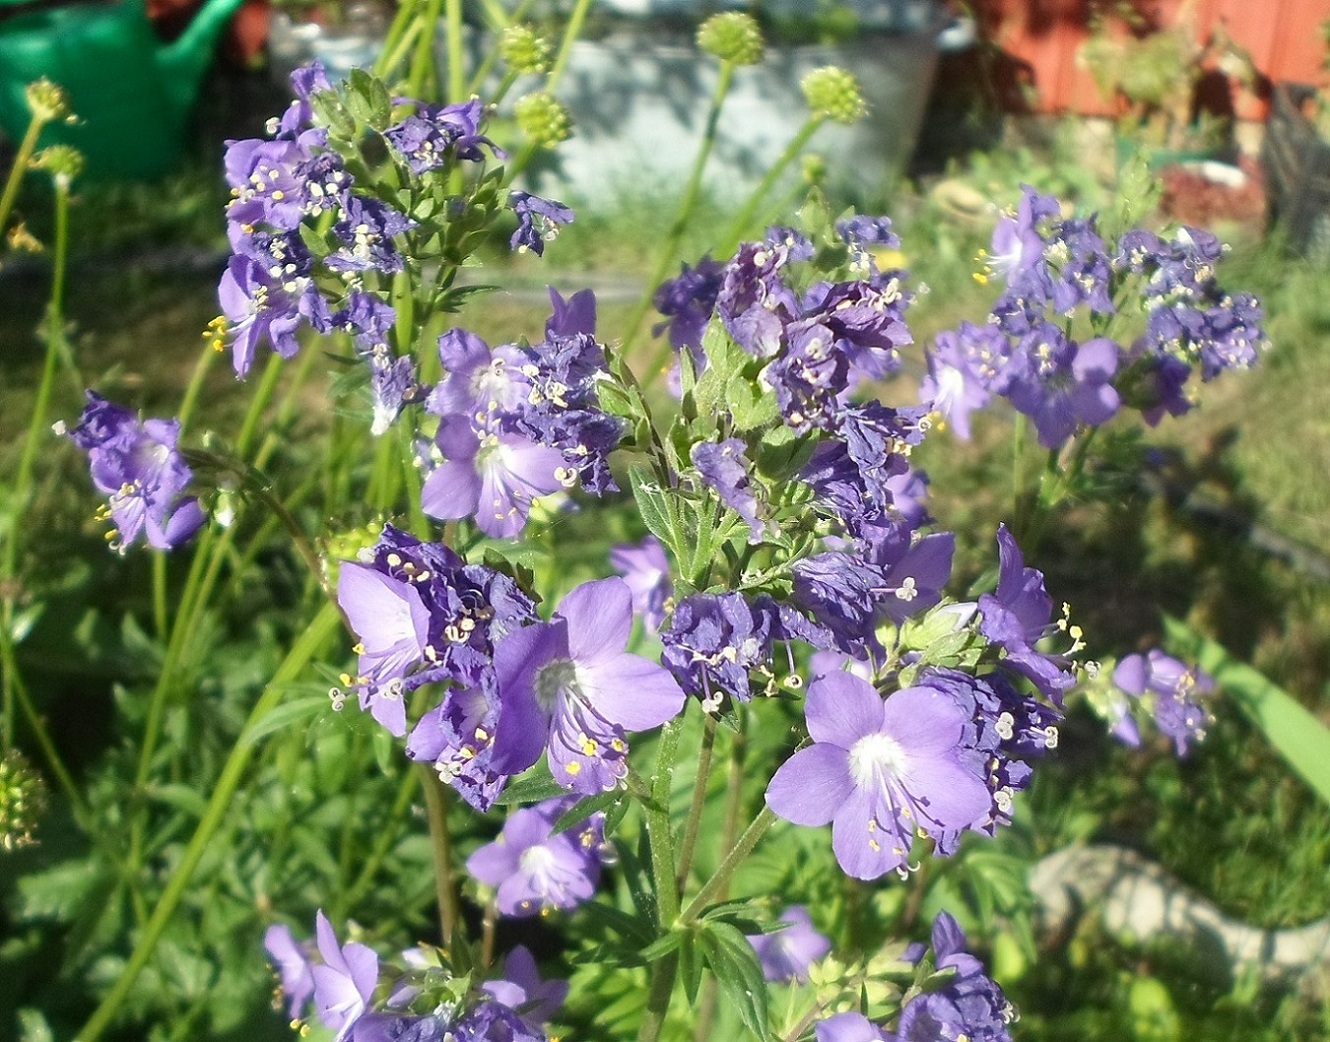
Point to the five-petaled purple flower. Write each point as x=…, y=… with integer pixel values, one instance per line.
x=138, y=466
x=533, y=871
x=1177, y=689
x=879, y=770
x=523, y=990
x=569, y=684
x=345, y=982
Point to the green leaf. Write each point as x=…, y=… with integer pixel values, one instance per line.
x=738, y=972
x=750, y=405
x=690, y=964
x=285, y=716
x=584, y=808
x=654, y=505
x=662, y=946
x=531, y=788
x=182, y=797
x=1298, y=735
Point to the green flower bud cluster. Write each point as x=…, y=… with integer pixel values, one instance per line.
x=523, y=50
x=47, y=100
x=733, y=37
x=63, y=162
x=543, y=119
x=22, y=800
x=833, y=93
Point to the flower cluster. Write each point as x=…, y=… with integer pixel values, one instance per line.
x=1174, y=693
x=1056, y=268
x=138, y=466
x=353, y=994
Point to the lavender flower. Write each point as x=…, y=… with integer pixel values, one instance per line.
x=787, y=954
x=1177, y=690
x=848, y=1027
x=345, y=982
x=457, y=737
x=1061, y=384
x=725, y=467
x=569, y=684
x=366, y=229
x=533, y=871
x=492, y=1022
x=139, y=467
x=270, y=301
x=878, y=771
x=689, y=302
x=397, y=1027
x=646, y=569
x=538, y=221
x=523, y=991
x=294, y=967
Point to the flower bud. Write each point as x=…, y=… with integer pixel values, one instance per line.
x=814, y=169
x=47, y=100
x=63, y=162
x=543, y=119
x=523, y=50
x=833, y=93
x=22, y=800
x=733, y=37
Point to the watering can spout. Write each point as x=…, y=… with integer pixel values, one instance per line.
x=183, y=61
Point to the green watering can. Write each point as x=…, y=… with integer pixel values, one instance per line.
x=133, y=93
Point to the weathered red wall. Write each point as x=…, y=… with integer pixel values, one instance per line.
x=1283, y=36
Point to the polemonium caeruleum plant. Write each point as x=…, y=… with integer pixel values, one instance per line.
x=780, y=583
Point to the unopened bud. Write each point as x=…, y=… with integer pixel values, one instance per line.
x=543, y=119
x=833, y=93
x=814, y=168
x=733, y=37
x=47, y=100
x=62, y=162
x=22, y=800
x=523, y=50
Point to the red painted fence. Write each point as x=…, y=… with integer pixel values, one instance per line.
x=1283, y=36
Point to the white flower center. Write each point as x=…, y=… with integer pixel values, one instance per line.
x=537, y=860
x=873, y=756
x=556, y=678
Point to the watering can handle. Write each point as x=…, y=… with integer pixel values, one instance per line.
x=190, y=53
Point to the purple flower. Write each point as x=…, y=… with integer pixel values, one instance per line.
x=138, y=466
x=1061, y=384
x=479, y=379
x=1177, y=689
x=786, y=954
x=533, y=871
x=269, y=301
x=435, y=133
x=366, y=229
x=848, y=1027
x=1017, y=616
x=524, y=992
x=688, y=302
x=879, y=770
x=457, y=737
x=293, y=966
x=493, y=476
x=753, y=302
x=345, y=982
x=725, y=467
x=970, y=1005
x=964, y=369
x=538, y=221
x=569, y=684
x=493, y=1022
x=646, y=569
x=397, y=1027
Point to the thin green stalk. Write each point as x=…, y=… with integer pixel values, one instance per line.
x=492, y=55
x=665, y=258
x=570, y=34
x=745, y=216
x=422, y=62
x=689, y=841
x=272, y=372
x=456, y=74
x=22, y=158
x=386, y=838
x=659, y=992
x=441, y=842
x=195, y=388
x=755, y=831
x=307, y=645
x=1018, y=476
x=399, y=33
x=160, y=621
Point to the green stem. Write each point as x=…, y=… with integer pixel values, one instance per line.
x=658, y=827
x=399, y=33
x=689, y=841
x=387, y=837
x=659, y=992
x=456, y=74
x=160, y=621
x=445, y=885
x=307, y=645
x=21, y=160
x=422, y=62
x=755, y=831
x=740, y=224
x=570, y=34
x=195, y=387
x=665, y=258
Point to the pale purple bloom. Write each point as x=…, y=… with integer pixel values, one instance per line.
x=962, y=370
x=1017, y=616
x=397, y=1027
x=532, y=870
x=879, y=770
x=306, y=81
x=479, y=379
x=1177, y=689
x=261, y=305
x=850, y=1026
x=394, y=385
x=492, y=1022
x=646, y=569
x=538, y=221
x=1061, y=384
x=523, y=991
x=725, y=467
x=345, y=982
x=137, y=465
x=294, y=966
x=787, y=954
x=493, y=476
x=569, y=684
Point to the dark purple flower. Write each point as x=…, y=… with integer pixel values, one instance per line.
x=394, y=384
x=367, y=318
x=397, y=1027
x=493, y=1022
x=1018, y=615
x=569, y=684
x=1177, y=691
x=524, y=992
x=689, y=302
x=533, y=871
x=294, y=966
x=646, y=569
x=538, y=221
x=1061, y=384
x=457, y=737
x=137, y=465
x=786, y=954
x=863, y=230
x=344, y=983
x=366, y=229
x=753, y=302
x=725, y=467
x=717, y=644
x=306, y=81
x=269, y=301
x=878, y=771
x=434, y=134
